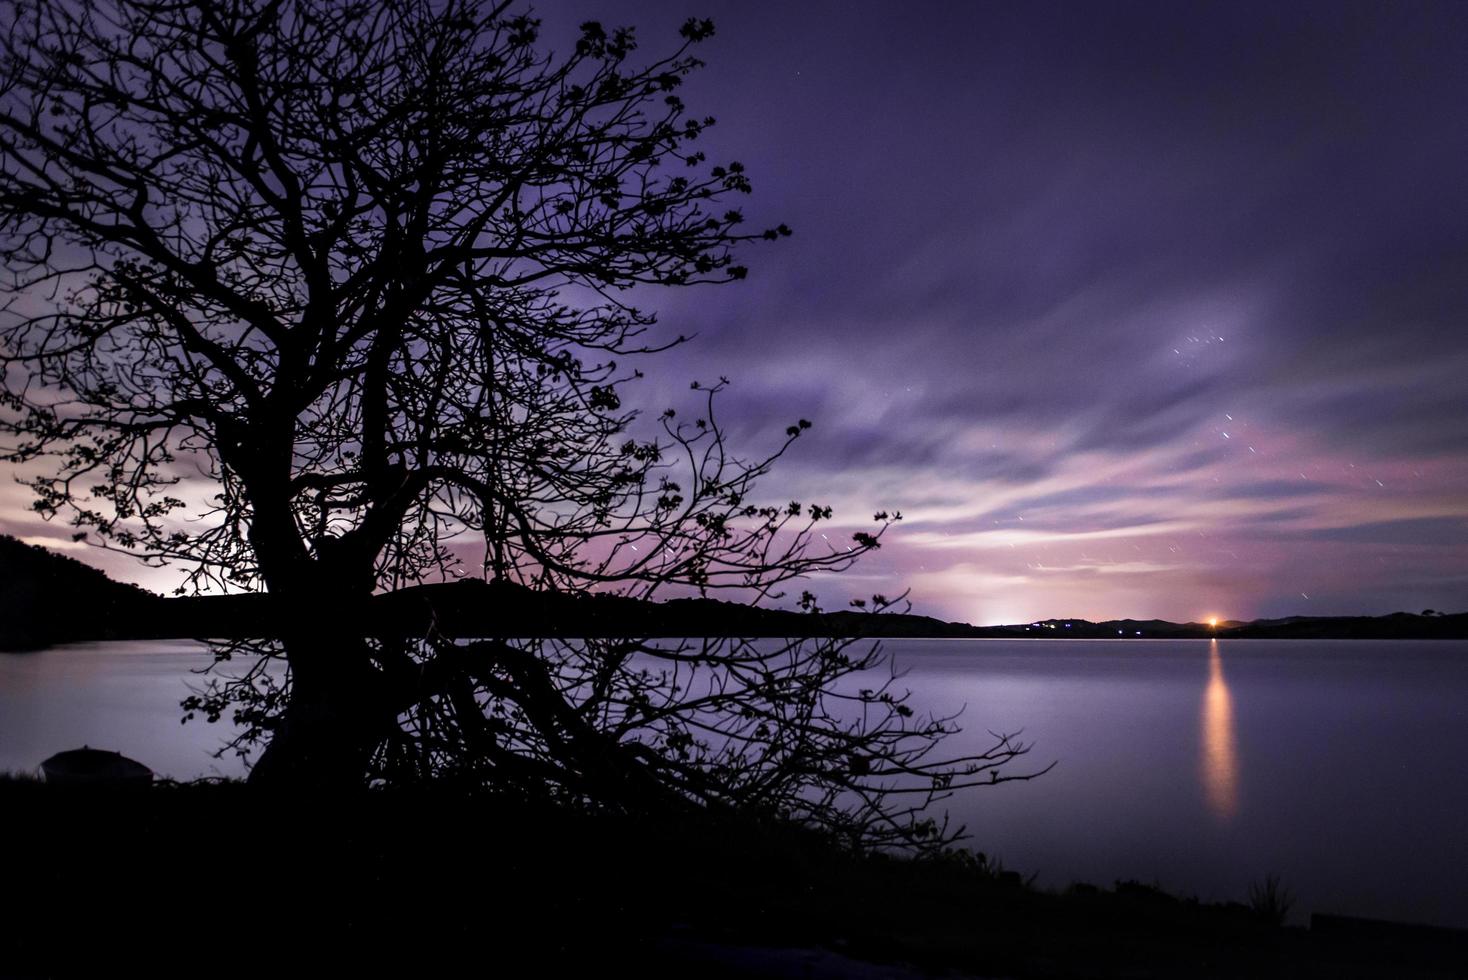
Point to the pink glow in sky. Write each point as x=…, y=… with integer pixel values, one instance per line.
x=1142, y=310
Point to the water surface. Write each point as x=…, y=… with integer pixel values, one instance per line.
x=118, y=696
x=1199, y=766
x=1202, y=766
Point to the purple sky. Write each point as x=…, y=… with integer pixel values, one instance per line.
x=1132, y=309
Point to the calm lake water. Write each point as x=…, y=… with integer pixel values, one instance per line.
x=1198, y=766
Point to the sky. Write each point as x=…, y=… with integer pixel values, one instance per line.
x=1132, y=309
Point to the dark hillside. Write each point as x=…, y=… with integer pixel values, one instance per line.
x=48, y=598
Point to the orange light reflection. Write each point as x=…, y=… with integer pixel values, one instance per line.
x=1219, y=762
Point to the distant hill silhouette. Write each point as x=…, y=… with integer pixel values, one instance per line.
x=474, y=608
x=46, y=598
x=1397, y=626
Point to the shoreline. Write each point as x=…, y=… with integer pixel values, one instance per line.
x=427, y=876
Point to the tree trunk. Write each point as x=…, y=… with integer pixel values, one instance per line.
x=338, y=711
x=331, y=724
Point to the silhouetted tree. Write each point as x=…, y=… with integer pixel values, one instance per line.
x=344, y=282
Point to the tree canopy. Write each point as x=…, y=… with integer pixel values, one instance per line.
x=320, y=297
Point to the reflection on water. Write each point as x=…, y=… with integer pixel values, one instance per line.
x=118, y=696
x=1219, y=761
x=1149, y=784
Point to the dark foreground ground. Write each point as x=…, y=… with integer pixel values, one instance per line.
x=221, y=880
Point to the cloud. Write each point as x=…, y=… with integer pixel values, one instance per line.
x=1150, y=309
x=55, y=544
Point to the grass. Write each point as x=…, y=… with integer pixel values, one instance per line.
x=1270, y=900
x=224, y=880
